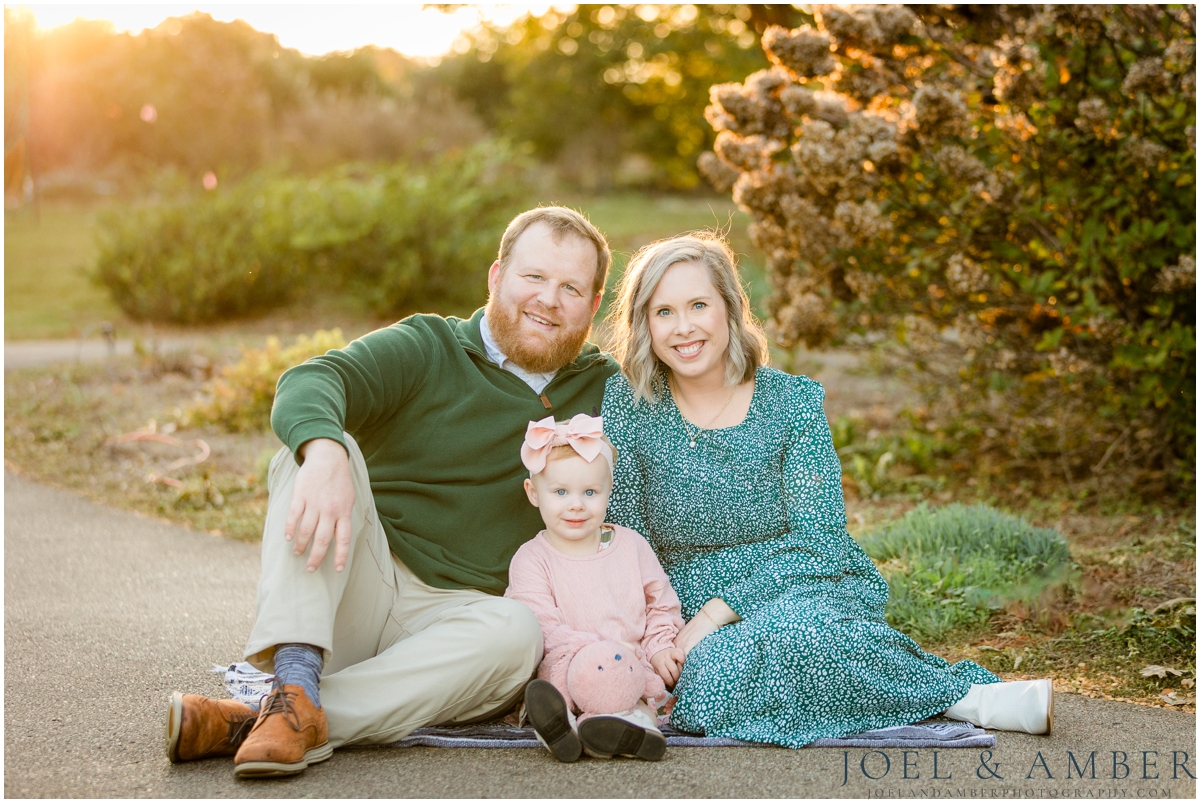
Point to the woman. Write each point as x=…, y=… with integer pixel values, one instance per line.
x=728, y=468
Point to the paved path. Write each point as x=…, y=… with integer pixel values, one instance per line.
x=29, y=353
x=107, y=612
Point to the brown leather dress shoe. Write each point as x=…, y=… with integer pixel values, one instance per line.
x=289, y=735
x=198, y=727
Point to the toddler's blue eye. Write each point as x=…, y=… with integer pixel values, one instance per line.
x=589, y=492
x=561, y=492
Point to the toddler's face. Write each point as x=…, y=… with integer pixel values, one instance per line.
x=572, y=496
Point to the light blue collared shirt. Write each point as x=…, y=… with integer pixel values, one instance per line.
x=536, y=381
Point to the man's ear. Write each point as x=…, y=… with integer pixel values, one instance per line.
x=596, y=301
x=531, y=492
x=493, y=276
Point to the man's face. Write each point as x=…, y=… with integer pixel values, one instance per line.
x=540, y=308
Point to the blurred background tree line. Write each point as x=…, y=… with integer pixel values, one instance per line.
x=255, y=174
x=607, y=95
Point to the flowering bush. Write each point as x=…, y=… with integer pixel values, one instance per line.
x=401, y=236
x=1006, y=195
x=241, y=397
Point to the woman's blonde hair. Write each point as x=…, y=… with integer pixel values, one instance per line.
x=630, y=318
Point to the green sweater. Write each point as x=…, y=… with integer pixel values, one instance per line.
x=441, y=429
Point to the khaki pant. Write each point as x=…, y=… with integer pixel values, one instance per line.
x=399, y=654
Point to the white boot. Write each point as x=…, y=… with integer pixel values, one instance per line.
x=1022, y=705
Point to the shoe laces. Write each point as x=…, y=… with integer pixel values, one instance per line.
x=240, y=726
x=282, y=702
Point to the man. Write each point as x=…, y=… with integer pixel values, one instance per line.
x=395, y=508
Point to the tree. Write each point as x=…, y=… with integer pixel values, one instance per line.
x=611, y=93
x=1009, y=193
x=196, y=95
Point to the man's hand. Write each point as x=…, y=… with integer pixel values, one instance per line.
x=322, y=500
x=716, y=613
x=668, y=664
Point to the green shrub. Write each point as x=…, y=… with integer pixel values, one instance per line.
x=241, y=397
x=401, y=236
x=951, y=568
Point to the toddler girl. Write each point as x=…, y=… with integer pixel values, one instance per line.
x=608, y=613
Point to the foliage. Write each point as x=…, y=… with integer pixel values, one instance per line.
x=611, y=94
x=400, y=236
x=241, y=397
x=1168, y=631
x=1007, y=195
x=951, y=568
x=905, y=461
x=200, y=95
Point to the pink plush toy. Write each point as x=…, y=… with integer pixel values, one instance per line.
x=606, y=678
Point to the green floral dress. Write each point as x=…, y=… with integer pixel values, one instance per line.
x=754, y=514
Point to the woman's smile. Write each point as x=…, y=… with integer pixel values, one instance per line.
x=690, y=349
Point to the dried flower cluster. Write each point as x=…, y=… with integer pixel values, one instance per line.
x=1174, y=278
x=1006, y=188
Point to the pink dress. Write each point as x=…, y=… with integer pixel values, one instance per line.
x=620, y=593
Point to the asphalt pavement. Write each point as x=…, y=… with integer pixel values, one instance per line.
x=28, y=353
x=107, y=612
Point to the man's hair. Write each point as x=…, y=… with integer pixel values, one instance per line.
x=630, y=315
x=561, y=221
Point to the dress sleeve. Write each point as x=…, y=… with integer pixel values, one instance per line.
x=352, y=388
x=529, y=582
x=817, y=545
x=663, y=618
x=626, y=506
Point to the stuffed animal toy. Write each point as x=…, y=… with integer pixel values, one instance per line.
x=606, y=678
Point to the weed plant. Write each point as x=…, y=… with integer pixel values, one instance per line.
x=242, y=396
x=950, y=569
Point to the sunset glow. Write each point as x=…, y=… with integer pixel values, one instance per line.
x=312, y=29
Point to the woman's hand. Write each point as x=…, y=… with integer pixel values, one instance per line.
x=715, y=614
x=694, y=632
x=668, y=663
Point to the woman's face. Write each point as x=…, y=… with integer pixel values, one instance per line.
x=689, y=327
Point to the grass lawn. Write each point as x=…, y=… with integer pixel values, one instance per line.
x=46, y=292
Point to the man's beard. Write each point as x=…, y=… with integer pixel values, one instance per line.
x=533, y=353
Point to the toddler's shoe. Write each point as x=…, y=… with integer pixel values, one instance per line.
x=551, y=720
x=630, y=734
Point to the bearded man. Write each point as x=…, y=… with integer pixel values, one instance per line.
x=403, y=453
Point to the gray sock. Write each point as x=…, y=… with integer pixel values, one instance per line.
x=300, y=665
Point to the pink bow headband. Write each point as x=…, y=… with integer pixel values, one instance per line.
x=583, y=433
